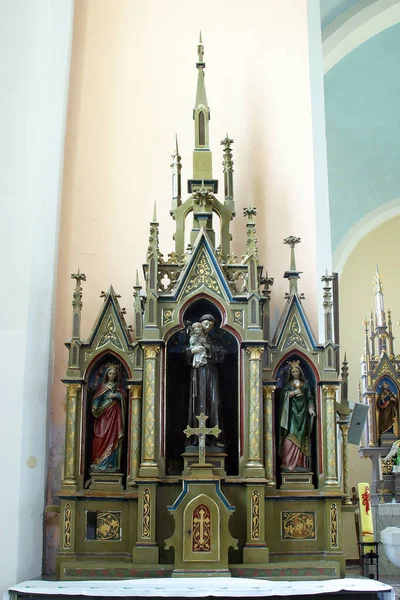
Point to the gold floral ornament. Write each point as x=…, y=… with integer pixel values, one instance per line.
x=167, y=316
x=294, y=336
x=298, y=525
x=108, y=526
x=238, y=317
x=146, y=524
x=203, y=276
x=255, y=515
x=334, y=525
x=67, y=525
x=109, y=335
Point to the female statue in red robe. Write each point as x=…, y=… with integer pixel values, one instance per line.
x=108, y=408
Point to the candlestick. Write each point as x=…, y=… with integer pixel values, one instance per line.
x=367, y=526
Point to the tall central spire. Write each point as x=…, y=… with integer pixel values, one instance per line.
x=379, y=304
x=202, y=156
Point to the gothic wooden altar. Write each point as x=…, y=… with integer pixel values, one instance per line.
x=379, y=390
x=196, y=443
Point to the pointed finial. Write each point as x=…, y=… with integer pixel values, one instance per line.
x=345, y=379
x=250, y=212
x=379, y=302
x=155, y=212
x=137, y=279
x=200, y=52
x=292, y=274
x=378, y=282
x=176, y=144
x=79, y=277
x=292, y=241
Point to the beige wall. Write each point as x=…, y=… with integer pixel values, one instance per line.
x=132, y=87
x=357, y=298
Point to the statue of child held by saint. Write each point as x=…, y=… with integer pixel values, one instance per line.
x=198, y=344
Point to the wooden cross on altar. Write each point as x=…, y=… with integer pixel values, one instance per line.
x=202, y=431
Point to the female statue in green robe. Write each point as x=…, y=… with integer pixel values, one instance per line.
x=297, y=412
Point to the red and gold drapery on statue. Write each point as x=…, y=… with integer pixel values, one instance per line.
x=108, y=408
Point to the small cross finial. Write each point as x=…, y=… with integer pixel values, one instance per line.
x=79, y=277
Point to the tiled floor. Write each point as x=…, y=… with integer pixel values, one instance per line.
x=394, y=581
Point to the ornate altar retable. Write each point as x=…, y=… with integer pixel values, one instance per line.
x=196, y=443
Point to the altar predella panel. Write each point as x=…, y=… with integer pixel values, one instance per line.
x=196, y=442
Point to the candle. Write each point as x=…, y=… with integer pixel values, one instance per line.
x=380, y=468
x=367, y=526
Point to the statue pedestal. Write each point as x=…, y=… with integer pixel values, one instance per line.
x=214, y=459
x=106, y=481
x=297, y=480
x=387, y=439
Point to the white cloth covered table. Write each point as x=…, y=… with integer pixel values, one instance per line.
x=200, y=587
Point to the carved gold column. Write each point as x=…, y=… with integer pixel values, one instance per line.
x=268, y=393
x=70, y=475
x=149, y=466
x=254, y=466
x=344, y=428
x=331, y=478
x=135, y=397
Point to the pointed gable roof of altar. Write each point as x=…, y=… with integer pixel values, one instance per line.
x=203, y=272
x=110, y=329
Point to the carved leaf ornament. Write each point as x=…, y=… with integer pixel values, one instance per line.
x=203, y=276
x=294, y=336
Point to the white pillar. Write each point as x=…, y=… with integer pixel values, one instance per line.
x=35, y=43
x=323, y=248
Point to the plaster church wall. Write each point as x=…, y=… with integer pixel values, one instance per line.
x=35, y=43
x=132, y=87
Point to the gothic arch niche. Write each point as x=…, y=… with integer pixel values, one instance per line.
x=386, y=408
x=113, y=425
x=282, y=376
x=202, y=129
x=178, y=375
